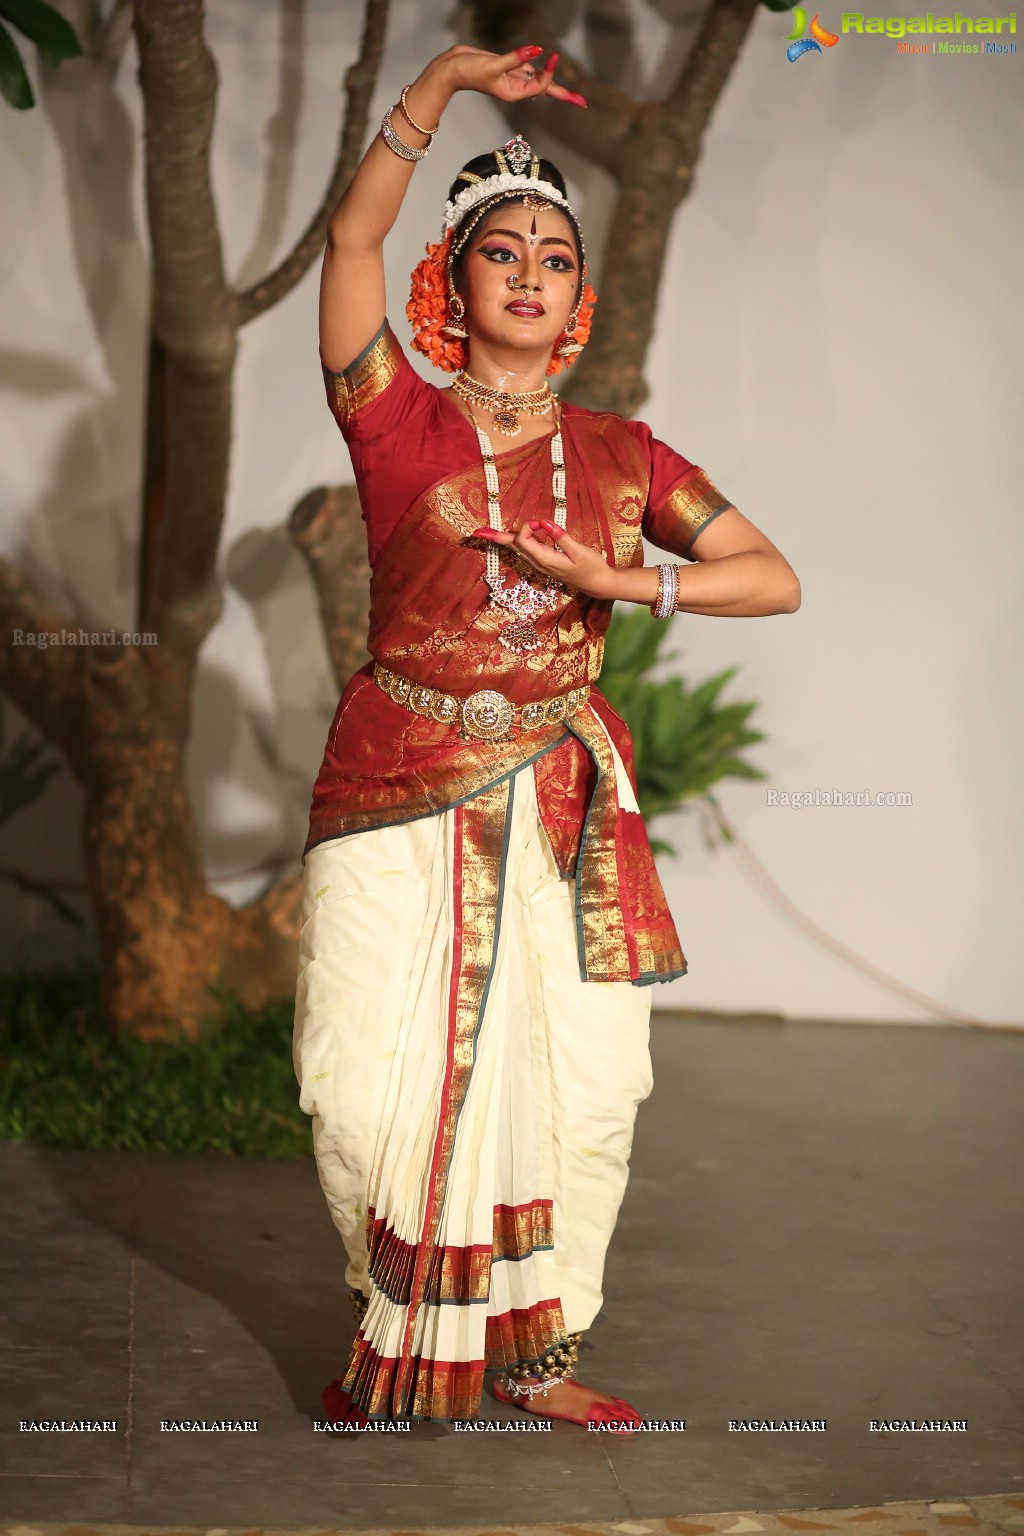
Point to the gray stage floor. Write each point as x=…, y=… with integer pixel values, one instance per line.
x=823, y=1221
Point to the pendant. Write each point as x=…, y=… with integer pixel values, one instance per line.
x=520, y=637
x=525, y=601
x=506, y=419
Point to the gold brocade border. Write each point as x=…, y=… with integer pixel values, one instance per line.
x=600, y=929
x=482, y=833
x=358, y=385
x=469, y=771
x=525, y=1333
x=691, y=505
x=445, y=1389
x=440, y=1389
x=457, y=1274
x=519, y=1229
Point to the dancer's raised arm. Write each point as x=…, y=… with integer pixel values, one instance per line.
x=352, y=298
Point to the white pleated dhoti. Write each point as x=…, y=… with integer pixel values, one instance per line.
x=472, y=1098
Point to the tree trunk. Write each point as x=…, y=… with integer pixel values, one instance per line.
x=121, y=713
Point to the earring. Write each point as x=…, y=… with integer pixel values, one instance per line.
x=457, y=311
x=567, y=347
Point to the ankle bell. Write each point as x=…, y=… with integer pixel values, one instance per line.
x=559, y=1361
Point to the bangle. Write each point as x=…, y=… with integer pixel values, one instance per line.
x=429, y=132
x=665, y=604
x=398, y=145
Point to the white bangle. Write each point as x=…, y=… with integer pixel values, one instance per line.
x=668, y=586
x=398, y=145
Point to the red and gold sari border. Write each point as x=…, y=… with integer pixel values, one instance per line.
x=452, y=1389
x=356, y=386
x=524, y=1334
x=457, y=1275
x=650, y=977
x=618, y=939
x=520, y=1230
x=482, y=830
x=602, y=938
x=431, y=801
x=438, y=1389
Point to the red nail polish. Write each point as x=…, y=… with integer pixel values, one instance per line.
x=529, y=52
x=552, y=61
x=577, y=101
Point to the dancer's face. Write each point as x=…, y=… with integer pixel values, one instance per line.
x=535, y=249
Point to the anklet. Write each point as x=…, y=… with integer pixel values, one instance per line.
x=533, y=1389
x=558, y=1361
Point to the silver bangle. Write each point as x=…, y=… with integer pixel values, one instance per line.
x=668, y=586
x=403, y=150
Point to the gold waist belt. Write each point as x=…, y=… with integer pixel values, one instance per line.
x=486, y=715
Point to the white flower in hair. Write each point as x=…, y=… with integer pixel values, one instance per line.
x=475, y=193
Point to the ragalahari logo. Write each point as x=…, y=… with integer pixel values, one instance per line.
x=818, y=39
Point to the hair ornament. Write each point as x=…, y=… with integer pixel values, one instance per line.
x=501, y=184
x=435, y=309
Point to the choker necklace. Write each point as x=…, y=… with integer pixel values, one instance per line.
x=504, y=405
x=523, y=600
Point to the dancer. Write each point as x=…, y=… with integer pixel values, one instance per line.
x=482, y=919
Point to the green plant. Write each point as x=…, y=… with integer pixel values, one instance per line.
x=67, y=1079
x=41, y=24
x=684, y=739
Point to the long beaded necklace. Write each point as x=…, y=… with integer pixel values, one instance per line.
x=525, y=601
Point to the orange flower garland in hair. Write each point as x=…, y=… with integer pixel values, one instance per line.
x=427, y=309
x=580, y=334
x=427, y=312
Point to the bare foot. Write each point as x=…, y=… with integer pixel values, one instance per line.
x=569, y=1399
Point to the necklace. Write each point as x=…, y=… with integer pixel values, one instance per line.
x=523, y=600
x=504, y=404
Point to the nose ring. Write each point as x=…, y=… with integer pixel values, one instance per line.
x=510, y=282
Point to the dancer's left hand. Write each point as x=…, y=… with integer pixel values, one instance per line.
x=576, y=564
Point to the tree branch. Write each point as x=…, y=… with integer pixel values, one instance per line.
x=598, y=133
x=655, y=175
x=706, y=69
x=360, y=81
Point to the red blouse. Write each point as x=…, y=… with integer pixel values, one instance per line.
x=421, y=488
x=381, y=395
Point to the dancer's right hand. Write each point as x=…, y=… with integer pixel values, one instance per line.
x=510, y=77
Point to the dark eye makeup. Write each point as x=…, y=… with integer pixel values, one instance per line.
x=497, y=253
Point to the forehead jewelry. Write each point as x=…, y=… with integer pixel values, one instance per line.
x=523, y=600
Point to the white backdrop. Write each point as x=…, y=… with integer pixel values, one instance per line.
x=838, y=346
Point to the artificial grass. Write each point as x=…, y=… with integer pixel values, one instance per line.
x=65, y=1080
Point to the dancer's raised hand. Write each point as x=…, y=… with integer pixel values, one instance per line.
x=510, y=77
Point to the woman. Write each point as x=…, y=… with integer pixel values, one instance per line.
x=473, y=998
